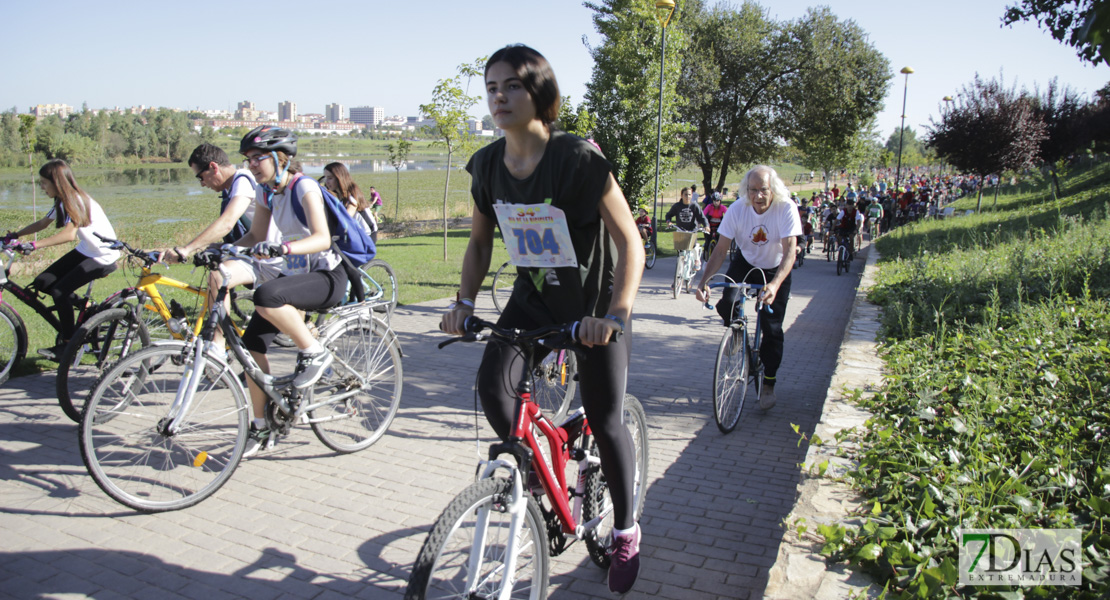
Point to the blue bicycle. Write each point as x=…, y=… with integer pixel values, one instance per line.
x=738, y=368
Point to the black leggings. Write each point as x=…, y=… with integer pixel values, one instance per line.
x=603, y=375
x=308, y=291
x=771, y=348
x=64, y=277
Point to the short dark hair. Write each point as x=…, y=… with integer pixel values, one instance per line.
x=536, y=76
x=207, y=153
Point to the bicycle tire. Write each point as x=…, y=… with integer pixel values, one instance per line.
x=13, y=340
x=155, y=325
x=730, y=378
x=354, y=423
x=840, y=256
x=597, y=500
x=499, y=290
x=441, y=567
x=554, y=383
x=381, y=286
x=649, y=254
x=732, y=250
x=242, y=306
x=137, y=464
x=105, y=338
x=678, y=269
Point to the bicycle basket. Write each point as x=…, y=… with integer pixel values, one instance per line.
x=684, y=241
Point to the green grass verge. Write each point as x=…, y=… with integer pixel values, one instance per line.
x=994, y=412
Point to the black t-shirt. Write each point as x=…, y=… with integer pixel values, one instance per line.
x=686, y=216
x=571, y=176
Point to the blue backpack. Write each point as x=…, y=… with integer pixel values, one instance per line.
x=350, y=239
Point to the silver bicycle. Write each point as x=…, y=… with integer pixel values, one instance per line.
x=167, y=426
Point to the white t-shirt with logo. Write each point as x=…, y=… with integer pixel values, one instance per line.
x=759, y=237
x=87, y=242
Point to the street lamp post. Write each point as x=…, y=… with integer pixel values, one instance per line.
x=664, y=10
x=948, y=100
x=902, y=129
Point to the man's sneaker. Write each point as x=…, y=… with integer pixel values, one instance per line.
x=257, y=440
x=624, y=562
x=767, y=397
x=310, y=367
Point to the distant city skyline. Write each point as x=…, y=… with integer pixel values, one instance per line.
x=204, y=57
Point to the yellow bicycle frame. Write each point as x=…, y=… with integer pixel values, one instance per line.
x=149, y=283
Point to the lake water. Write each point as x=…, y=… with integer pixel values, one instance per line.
x=129, y=187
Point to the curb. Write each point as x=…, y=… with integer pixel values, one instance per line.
x=800, y=571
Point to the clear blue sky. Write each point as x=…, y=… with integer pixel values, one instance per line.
x=207, y=54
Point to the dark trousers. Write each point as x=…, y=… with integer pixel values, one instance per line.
x=771, y=349
x=70, y=272
x=308, y=291
x=603, y=376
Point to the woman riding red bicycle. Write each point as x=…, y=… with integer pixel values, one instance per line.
x=536, y=169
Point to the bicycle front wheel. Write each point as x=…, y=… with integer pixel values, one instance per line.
x=649, y=254
x=477, y=523
x=598, y=502
x=130, y=453
x=13, y=340
x=99, y=343
x=357, y=397
x=679, y=269
x=556, y=379
x=502, y=287
x=730, y=378
x=841, y=260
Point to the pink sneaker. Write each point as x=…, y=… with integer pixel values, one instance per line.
x=624, y=565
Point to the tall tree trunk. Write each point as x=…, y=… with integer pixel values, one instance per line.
x=446, y=187
x=995, y=205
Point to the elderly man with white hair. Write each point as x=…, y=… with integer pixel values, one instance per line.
x=764, y=223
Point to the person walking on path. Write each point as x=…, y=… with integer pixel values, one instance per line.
x=765, y=225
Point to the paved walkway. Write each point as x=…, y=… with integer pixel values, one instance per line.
x=302, y=522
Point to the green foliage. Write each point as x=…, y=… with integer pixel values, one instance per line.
x=1081, y=24
x=838, y=91
x=623, y=94
x=994, y=411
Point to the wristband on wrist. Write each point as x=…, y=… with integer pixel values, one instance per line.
x=466, y=302
x=617, y=320
x=288, y=248
x=34, y=246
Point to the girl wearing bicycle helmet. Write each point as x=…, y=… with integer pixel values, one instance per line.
x=312, y=276
x=539, y=170
x=80, y=218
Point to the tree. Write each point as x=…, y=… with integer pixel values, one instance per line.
x=579, y=122
x=1081, y=24
x=26, y=138
x=837, y=93
x=1066, y=125
x=449, y=110
x=623, y=93
x=398, y=156
x=734, y=77
x=990, y=129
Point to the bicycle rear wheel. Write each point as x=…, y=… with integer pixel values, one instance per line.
x=556, y=379
x=133, y=458
x=13, y=340
x=502, y=287
x=98, y=344
x=358, y=396
x=598, y=502
x=381, y=285
x=441, y=568
x=730, y=378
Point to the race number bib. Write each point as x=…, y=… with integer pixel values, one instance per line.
x=295, y=264
x=536, y=235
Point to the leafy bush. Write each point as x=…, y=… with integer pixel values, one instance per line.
x=994, y=413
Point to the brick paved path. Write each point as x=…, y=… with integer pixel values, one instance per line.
x=302, y=522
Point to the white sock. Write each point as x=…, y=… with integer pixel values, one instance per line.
x=314, y=348
x=625, y=532
x=259, y=423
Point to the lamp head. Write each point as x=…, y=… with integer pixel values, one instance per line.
x=948, y=98
x=906, y=70
x=664, y=10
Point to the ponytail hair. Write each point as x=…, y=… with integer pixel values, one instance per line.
x=73, y=199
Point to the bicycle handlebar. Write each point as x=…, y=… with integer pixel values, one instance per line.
x=555, y=337
x=212, y=257
x=749, y=290
x=149, y=258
